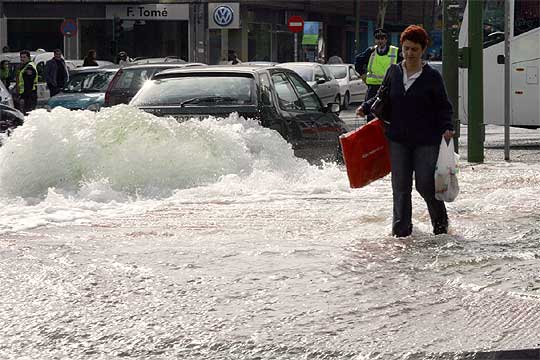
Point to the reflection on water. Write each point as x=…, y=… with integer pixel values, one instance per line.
x=266, y=258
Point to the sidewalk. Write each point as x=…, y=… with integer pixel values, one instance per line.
x=524, y=143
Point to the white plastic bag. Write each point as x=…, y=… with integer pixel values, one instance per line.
x=446, y=183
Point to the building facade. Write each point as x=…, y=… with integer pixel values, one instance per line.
x=201, y=30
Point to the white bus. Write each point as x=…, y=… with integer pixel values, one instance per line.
x=525, y=63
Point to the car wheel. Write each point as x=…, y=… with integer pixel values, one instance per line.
x=346, y=100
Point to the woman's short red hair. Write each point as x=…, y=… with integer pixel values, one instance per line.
x=415, y=34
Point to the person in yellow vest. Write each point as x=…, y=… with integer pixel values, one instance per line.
x=374, y=61
x=27, y=81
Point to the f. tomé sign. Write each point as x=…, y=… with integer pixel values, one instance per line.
x=148, y=12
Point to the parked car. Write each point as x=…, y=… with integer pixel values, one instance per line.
x=351, y=86
x=129, y=80
x=40, y=59
x=277, y=97
x=319, y=77
x=78, y=63
x=166, y=59
x=10, y=118
x=85, y=89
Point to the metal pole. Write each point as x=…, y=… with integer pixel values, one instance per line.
x=507, y=63
x=356, y=27
x=475, y=135
x=450, y=59
x=295, y=46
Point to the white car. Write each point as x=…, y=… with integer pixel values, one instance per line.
x=351, y=87
x=5, y=96
x=320, y=78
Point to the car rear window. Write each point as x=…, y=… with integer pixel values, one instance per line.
x=89, y=82
x=199, y=90
x=340, y=72
x=134, y=78
x=306, y=72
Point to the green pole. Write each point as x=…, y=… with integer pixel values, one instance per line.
x=475, y=138
x=356, y=27
x=450, y=59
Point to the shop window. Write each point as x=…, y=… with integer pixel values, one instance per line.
x=97, y=35
x=27, y=34
x=259, y=42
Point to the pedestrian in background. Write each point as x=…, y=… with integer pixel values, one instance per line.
x=90, y=59
x=26, y=85
x=56, y=73
x=233, y=58
x=123, y=59
x=374, y=61
x=420, y=113
x=5, y=73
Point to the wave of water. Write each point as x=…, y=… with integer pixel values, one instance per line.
x=110, y=161
x=135, y=153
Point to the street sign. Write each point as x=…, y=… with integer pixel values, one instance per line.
x=295, y=24
x=68, y=27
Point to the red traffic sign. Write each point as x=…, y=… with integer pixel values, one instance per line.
x=68, y=27
x=295, y=24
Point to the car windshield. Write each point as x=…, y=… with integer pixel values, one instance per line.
x=306, y=72
x=197, y=90
x=89, y=82
x=340, y=72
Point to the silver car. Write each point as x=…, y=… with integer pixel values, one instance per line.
x=352, y=88
x=320, y=78
x=5, y=96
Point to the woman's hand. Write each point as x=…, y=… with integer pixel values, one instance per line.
x=448, y=134
x=360, y=112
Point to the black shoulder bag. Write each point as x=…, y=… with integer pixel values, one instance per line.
x=381, y=106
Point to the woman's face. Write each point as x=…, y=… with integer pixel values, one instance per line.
x=412, y=52
x=5, y=65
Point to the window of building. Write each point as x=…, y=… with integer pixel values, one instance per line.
x=97, y=35
x=26, y=34
x=259, y=42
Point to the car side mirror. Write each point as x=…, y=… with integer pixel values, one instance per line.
x=500, y=59
x=333, y=108
x=320, y=81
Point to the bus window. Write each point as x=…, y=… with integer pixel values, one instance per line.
x=526, y=15
x=493, y=22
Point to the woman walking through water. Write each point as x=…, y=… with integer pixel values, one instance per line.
x=420, y=113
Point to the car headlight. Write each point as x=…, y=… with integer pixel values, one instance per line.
x=94, y=107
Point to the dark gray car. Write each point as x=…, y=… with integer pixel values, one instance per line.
x=277, y=97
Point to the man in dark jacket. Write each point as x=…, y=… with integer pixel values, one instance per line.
x=56, y=73
x=374, y=61
x=26, y=86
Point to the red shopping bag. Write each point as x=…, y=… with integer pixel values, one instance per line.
x=366, y=153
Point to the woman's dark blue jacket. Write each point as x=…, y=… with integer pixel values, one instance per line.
x=420, y=115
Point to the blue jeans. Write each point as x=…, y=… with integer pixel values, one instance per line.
x=421, y=160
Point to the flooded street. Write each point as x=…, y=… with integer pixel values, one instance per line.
x=125, y=235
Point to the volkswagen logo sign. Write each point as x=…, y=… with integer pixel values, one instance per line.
x=223, y=15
